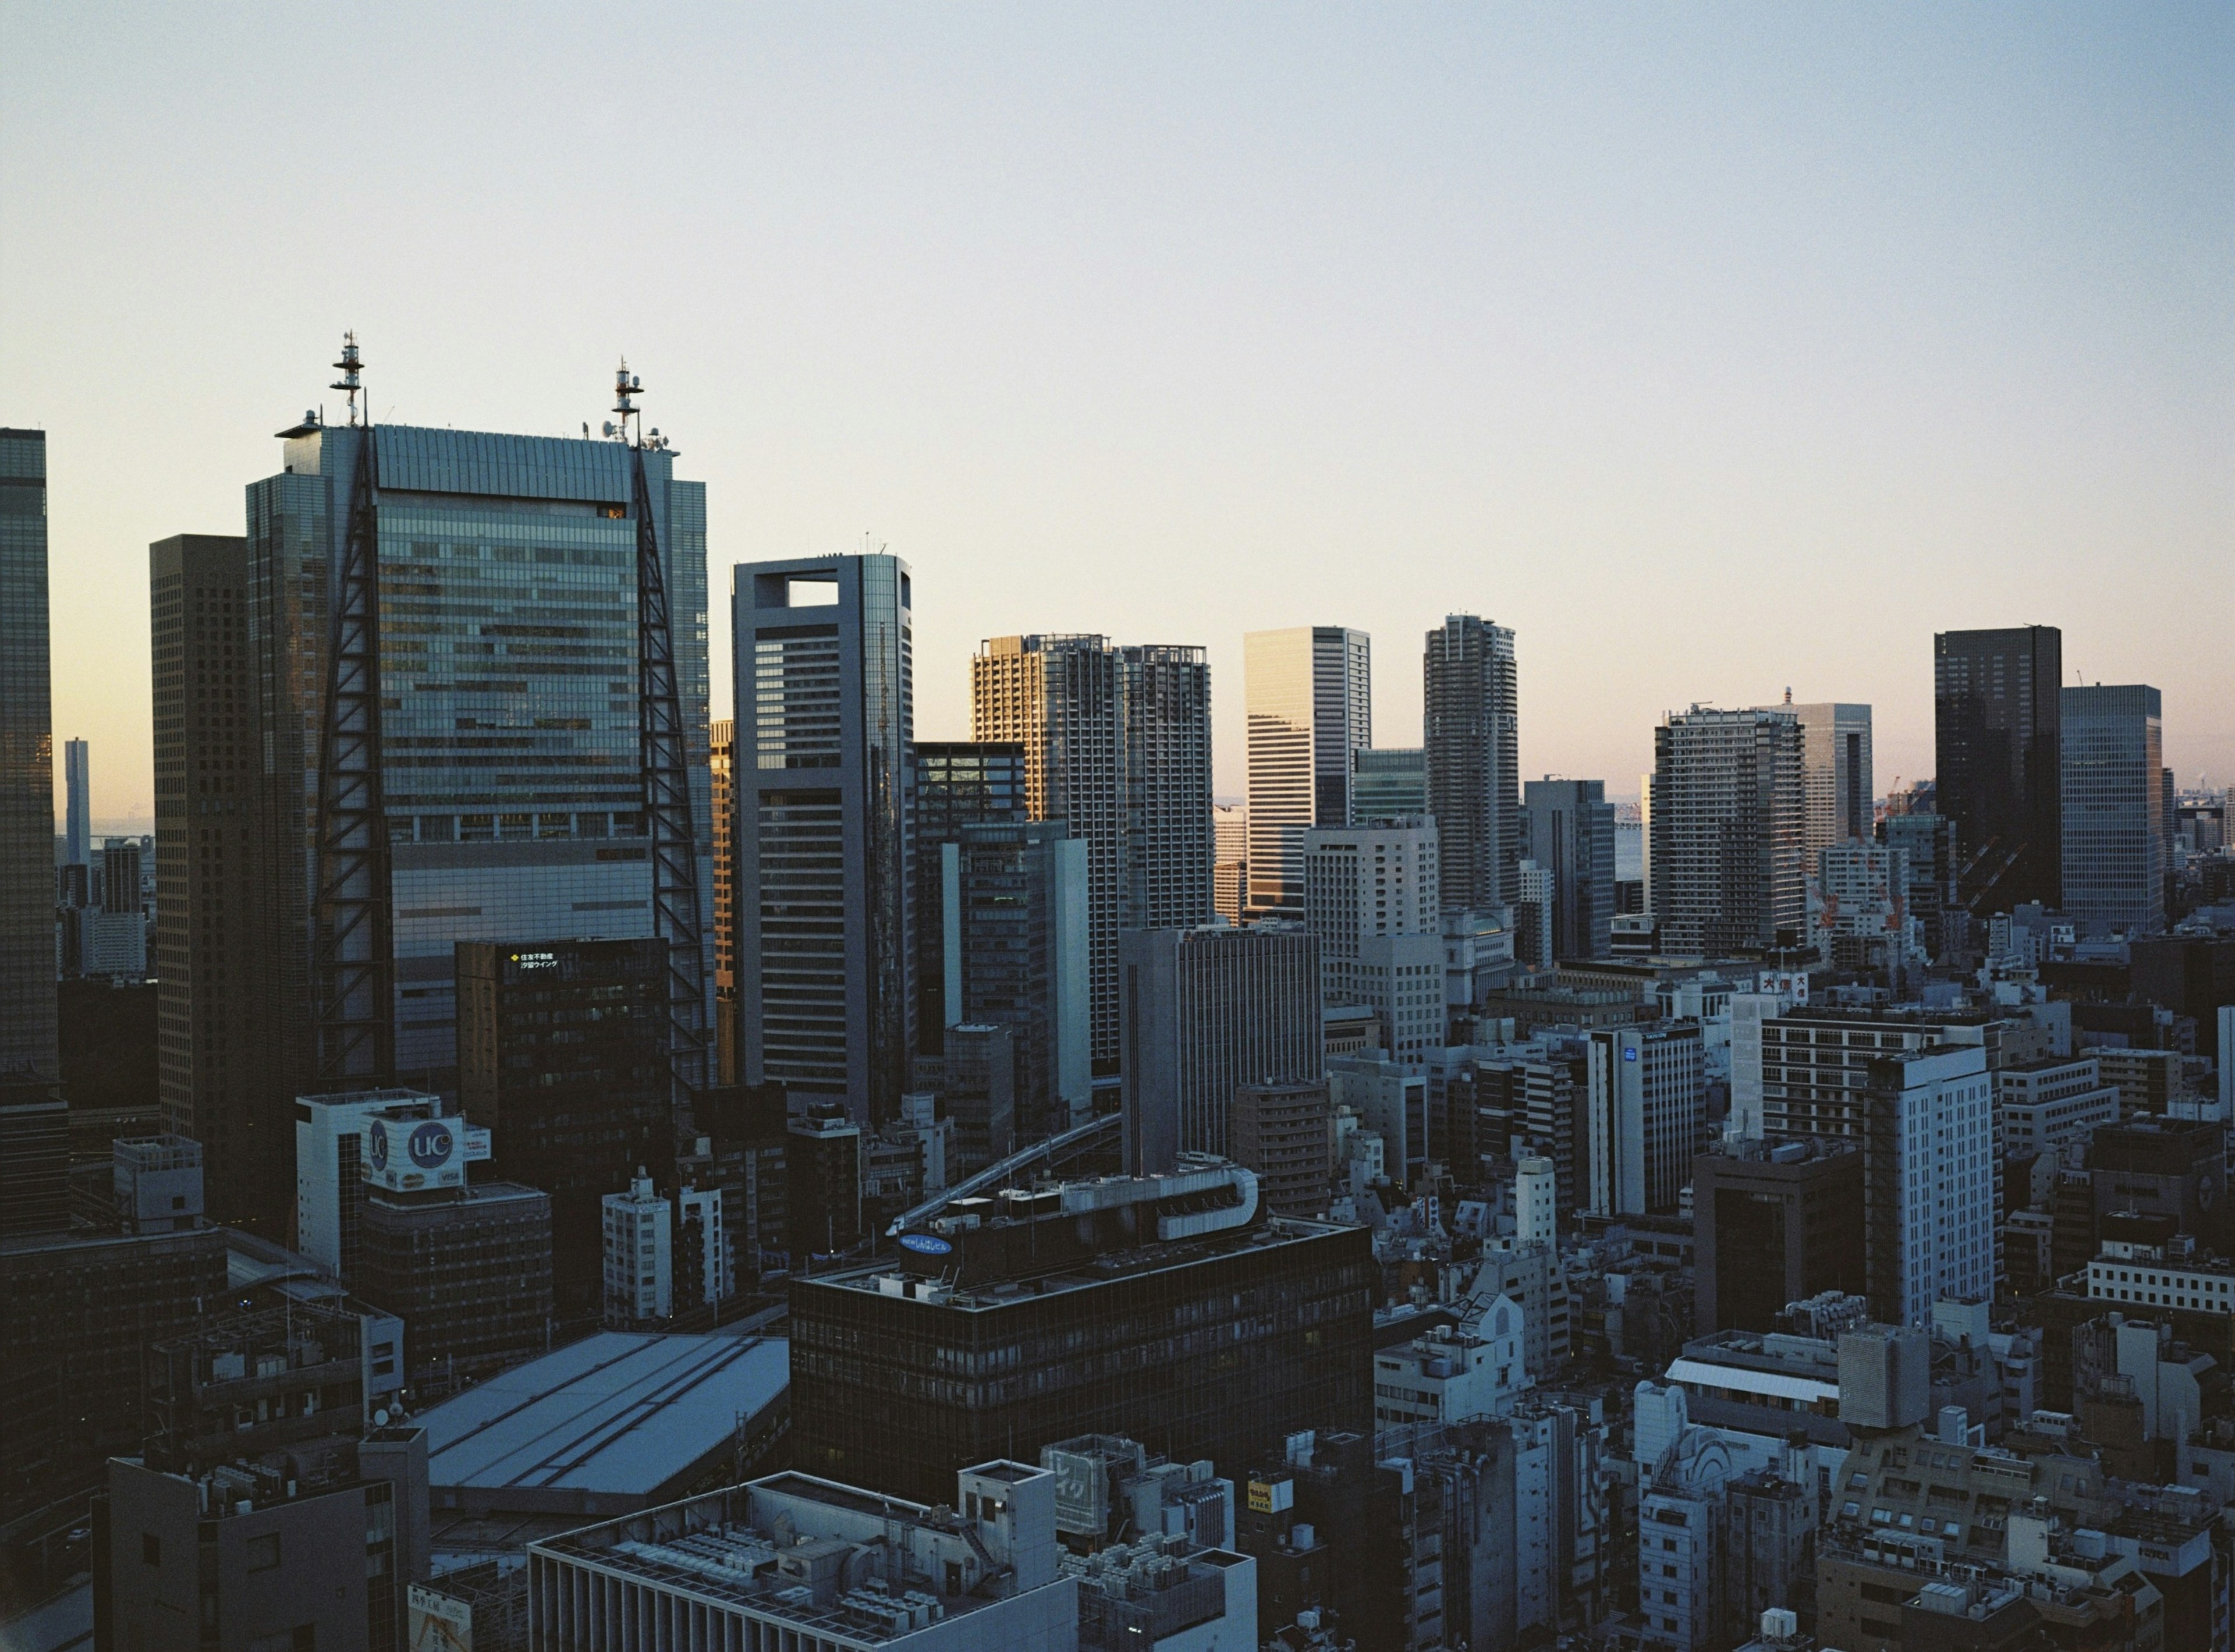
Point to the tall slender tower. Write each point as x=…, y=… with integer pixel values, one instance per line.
x=1837, y=793
x=1062, y=698
x=77, y=816
x=1570, y=831
x=26, y=766
x=1998, y=749
x=1310, y=696
x=1470, y=732
x=2112, y=806
x=1169, y=847
x=825, y=668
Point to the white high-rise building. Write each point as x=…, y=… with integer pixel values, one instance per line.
x=1536, y=1201
x=335, y=1159
x=639, y=1254
x=1401, y=977
x=1310, y=698
x=1360, y=882
x=1646, y=1088
x=1929, y=1170
x=1838, y=802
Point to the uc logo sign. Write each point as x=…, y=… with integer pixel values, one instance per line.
x=375, y=1145
x=430, y=1145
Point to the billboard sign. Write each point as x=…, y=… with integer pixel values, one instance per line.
x=407, y=1155
x=925, y=1244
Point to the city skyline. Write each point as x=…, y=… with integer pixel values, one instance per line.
x=1648, y=384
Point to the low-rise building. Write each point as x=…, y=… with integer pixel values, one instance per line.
x=1452, y=1376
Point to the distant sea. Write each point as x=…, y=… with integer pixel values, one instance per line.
x=1628, y=850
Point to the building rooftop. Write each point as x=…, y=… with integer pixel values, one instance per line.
x=616, y=1415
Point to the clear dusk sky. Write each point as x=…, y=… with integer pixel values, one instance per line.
x=1715, y=348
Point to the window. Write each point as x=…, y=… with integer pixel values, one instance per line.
x=263, y=1552
x=151, y=1549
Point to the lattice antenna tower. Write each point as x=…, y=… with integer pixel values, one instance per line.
x=348, y=366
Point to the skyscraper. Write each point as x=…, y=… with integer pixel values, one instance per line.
x=1060, y=697
x=1170, y=852
x=823, y=658
x=1310, y=696
x=1726, y=808
x=1387, y=780
x=1206, y=1010
x=958, y=783
x=1360, y=882
x=479, y=666
x=1928, y=1192
x=77, y=808
x=1569, y=832
x=26, y=766
x=1997, y=749
x=1836, y=782
x=721, y=763
x=219, y=1012
x=1470, y=733
x=2111, y=786
x=1927, y=842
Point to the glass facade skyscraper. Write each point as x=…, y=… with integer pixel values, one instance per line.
x=2111, y=780
x=26, y=766
x=825, y=721
x=1310, y=698
x=1570, y=831
x=958, y=783
x=1996, y=751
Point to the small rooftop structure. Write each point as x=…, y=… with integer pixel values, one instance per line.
x=614, y=1422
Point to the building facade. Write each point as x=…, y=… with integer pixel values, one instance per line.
x=1727, y=829
x=1469, y=738
x=1568, y=830
x=1929, y=1174
x=2110, y=779
x=1166, y=880
x=1773, y=1222
x=1310, y=705
x=1997, y=749
x=1387, y=781
x=1837, y=796
x=1645, y=1102
x=1206, y=1010
x=27, y=767
x=958, y=783
x=824, y=650
x=1364, y=880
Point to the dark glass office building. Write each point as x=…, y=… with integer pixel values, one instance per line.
x=1996, y=739
x=26, y=766
x=563, y=1054
x=1064, y=1317
x=958, y=783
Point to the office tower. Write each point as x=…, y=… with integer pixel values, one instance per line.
x=331, y=1544
x=2112, y=809
x=1363, y=881
x=1206, y=1010
x=1471, y=737
x=1568, y=830
x=1230, y=873
x=467, y=1267
x=1532, y=918
x=219, y=1007
x=77, y=816
x=27, y=767
x=958, y=783
x=514, y=715
x=1773, y=1223
x=1390, y=1101
x=1927, y=843
x=1387, y=781
x=1166, y=882
x=1060, y=697
x=721, y=751
x=2052, y=1104
x=1929, y=1176
x=975, y=1081
x=824, y=650
x=1726, y=832
x=1284, y=1132
x=1400, y=978
x=1645, y=1101
x=639, y=1255
x=562, y=1058
x=335, y=1157
x=1310, y=695
x=921, y=1577
x=1111, y=1290
x=1015, y=905
x=1996, y=748
x=739, y=1153
x=1837, y=799
x=1798, y=1070
x=823, y=1181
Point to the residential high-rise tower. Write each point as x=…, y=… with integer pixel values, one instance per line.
x=1469, y=733
x=1727, y=808
x=1310, y=695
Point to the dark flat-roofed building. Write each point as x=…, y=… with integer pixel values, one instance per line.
x=1774, y=1221
x=1169, y=1309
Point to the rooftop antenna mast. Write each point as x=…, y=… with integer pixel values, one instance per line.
x=664, y=759
x=349, y=381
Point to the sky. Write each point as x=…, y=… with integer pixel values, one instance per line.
x=1717, y=349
